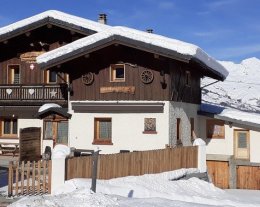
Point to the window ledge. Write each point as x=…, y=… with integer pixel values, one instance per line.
x=8, y=137
x=102, y=142
x=149, y=132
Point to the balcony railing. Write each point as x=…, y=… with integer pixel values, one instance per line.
x=42, y=92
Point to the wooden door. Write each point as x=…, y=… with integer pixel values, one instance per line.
x=241, y=144
x=219, y=173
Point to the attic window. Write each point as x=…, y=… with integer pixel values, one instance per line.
x=117, y=73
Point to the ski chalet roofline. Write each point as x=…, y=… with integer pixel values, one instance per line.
x=52, y=17
x=157, y=44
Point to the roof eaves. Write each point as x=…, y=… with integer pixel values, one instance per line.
x=252, y=125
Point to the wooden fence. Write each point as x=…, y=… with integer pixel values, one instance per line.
x=29, y=178
x=133, y=163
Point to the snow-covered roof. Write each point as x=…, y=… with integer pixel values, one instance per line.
x=150, y=42
x=54, y=17
x=102, y=34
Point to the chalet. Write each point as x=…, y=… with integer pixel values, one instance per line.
x=89, y=85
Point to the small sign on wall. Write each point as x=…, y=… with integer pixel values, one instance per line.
x=118, y=89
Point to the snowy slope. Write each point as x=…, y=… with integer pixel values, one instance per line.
x=239, y=93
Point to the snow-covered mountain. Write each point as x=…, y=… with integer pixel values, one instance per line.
x=240, y=90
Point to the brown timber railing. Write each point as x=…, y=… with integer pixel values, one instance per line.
x=133, y=163
x=33, y=92
x=29, y=178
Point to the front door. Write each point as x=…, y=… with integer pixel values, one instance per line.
x=241, y=144
x=57, y=130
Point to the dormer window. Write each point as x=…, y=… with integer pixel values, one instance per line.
x=117, y=73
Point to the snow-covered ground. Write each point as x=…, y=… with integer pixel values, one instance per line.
x=239, y=94
x=143, y=191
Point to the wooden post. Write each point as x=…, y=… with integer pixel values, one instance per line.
x=39, y=177
x=49, y=175
x=16, y=177
x=28, y=177
x=94, y=170
x=10, y=179
x=22, y=178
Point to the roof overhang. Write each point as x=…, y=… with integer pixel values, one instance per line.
x=118, y=39
x=238, y=123
x=53, y=110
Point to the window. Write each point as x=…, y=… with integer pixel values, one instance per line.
x=9, y=127
x=192, y=133
x=117, y=73
x=178, y=131
x=13, y=74
x=103, y=131
x=50, y=76
x=149, y=126
x=215, y=129
x=56, y=131
x=187, y=78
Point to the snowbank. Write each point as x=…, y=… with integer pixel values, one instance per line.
x=142, y=191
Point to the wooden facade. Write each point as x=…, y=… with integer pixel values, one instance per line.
x=169, y=76
x=20, y=77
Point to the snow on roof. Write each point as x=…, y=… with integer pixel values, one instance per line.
x=47, y=106
x=57, y=15
x=230, y=114
x=154, y=42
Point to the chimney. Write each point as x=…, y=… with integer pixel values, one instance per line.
x=149, y=30
x=102, y=18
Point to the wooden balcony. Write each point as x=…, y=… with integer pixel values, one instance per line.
x=33, y=93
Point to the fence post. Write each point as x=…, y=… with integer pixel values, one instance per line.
x=202, y=165
x=10, y=179
x=57, y=173
x=94, y=170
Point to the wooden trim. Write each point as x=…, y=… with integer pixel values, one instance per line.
x=97, y=140
x=10, y=74
x=11, y=135
x=149, y=132
x=117, y=107
x=112, y=72
x=235, y=143
x=210, y=123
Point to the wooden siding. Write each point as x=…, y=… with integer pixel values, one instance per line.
x=30, y=144
x=133, y=163
x=40, y=39
x=219, y=173
x=168, y=76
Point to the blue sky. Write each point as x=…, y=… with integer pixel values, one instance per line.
x=225, y=29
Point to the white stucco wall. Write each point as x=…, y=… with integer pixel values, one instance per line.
x=217, y=146
x=226, y=146
x=127, y=131
x=184, y=111
x=254, y=146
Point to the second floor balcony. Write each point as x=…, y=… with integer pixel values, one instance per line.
x=38, y=93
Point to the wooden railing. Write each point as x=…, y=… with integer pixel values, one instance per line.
x=29, y=178
x=133, y=163
x=33, y=92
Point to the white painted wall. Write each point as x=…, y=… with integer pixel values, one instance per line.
x=254, y=146
x=217, y=146
x=226, y=146
x=127, y=131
